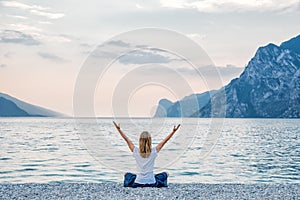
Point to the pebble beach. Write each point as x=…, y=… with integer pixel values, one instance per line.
x=174, y=191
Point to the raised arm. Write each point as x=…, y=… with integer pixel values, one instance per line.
x=162, y=143
x=129, y=143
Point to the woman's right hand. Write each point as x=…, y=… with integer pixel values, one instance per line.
x=176, y=128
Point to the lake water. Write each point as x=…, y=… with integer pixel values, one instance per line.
x=87, y=150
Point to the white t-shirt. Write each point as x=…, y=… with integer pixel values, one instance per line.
x=144, y=166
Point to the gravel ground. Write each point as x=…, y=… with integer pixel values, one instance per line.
x=174, y=191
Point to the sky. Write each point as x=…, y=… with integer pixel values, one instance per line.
x=45, y=44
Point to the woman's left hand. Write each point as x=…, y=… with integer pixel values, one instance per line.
x=117, y=125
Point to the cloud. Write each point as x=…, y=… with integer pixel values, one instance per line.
x=45, y=22
x=212, y=6
x=119, y=43
x=136, y=54
x=18, y=37
x=48, y=14
x=52, y=57
x=26, y=28
x=23, y=6
x=196, y=36
x=138, y=6
x=17, y=16
x=86, y=45
x=34, y=9
x=38, y=33
x=228, y=71
x=55, y=38
x=144, y=56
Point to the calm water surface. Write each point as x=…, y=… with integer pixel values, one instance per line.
x=246, y=150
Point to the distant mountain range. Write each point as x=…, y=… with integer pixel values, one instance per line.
x=12, y=107
x=185, y=107
x=269, y=87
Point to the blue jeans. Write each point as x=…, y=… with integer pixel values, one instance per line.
x=160, y=180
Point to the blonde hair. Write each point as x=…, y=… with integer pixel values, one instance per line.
x=145, y=144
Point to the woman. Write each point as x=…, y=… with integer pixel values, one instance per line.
x=145, y=157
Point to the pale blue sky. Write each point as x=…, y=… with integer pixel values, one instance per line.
x=44, y=43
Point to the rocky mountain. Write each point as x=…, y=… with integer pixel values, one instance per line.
x=185, y=107
x=162, y=109
x=12, y=107
x=269, y=87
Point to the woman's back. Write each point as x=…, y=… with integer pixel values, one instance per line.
x=145, y=166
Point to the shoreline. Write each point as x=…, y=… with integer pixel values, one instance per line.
x=174, y=191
